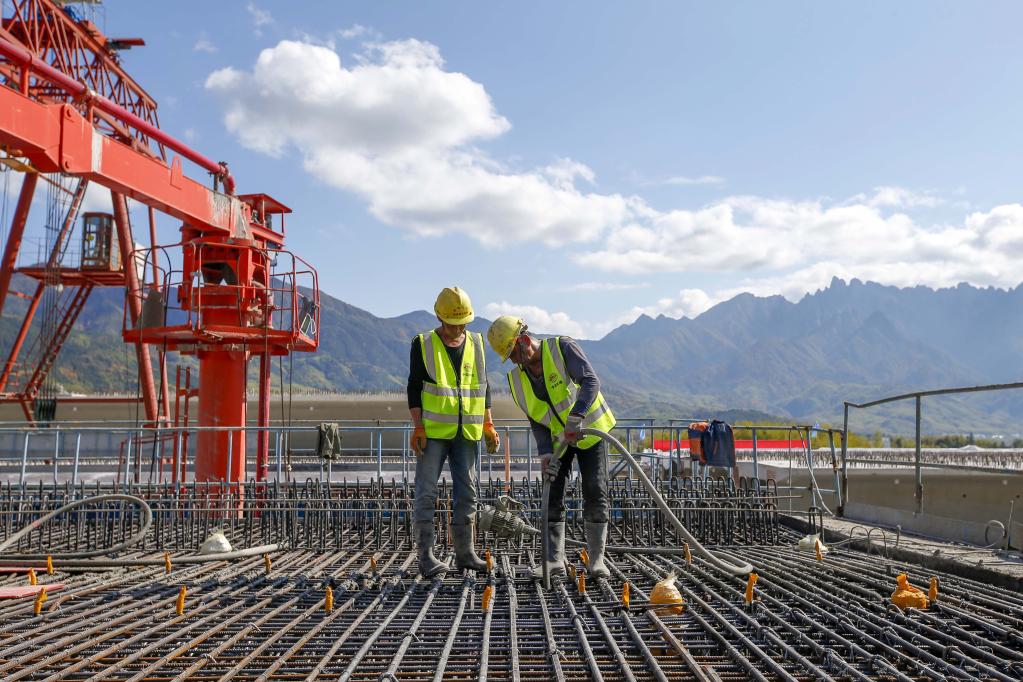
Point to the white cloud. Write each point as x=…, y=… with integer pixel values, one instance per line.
x=260, y=18
x=204, y=44
x=773, y=240
x=538, y=319
x=898, y=197
x=401, y=131
x=688, y=303
x=353, y=31
x=695, y=180
x=605, y=286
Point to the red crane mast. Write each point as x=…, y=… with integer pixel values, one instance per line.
x=233, y=293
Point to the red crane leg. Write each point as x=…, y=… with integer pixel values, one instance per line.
x=26, y=324
x=28, y=188
x=263, y=437
x=221, y=383
x=134, y=302
x=33, y=306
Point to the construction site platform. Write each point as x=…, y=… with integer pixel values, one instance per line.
x=149, y=613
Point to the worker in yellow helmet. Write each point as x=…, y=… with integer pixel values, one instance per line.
x=449, y=402
x=555, y=385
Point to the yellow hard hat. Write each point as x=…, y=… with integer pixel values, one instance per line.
x=453, y=306
x=502, y=334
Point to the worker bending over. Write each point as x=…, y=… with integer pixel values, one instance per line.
x=449, y=402
x=555, y=385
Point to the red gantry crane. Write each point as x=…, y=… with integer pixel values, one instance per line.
x=226, y=293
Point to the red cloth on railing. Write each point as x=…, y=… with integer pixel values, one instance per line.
x=762, y=444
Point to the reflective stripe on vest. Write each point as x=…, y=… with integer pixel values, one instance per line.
x=449, y=396
x=562, y=392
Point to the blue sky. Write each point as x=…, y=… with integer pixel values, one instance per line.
x=581, y=163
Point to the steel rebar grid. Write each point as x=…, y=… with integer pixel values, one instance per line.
x=811, y=619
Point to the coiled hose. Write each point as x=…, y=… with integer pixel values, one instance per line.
x=83, y=560
x=721, y=560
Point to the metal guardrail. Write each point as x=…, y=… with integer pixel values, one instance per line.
x=918, y=397
x=127, y=454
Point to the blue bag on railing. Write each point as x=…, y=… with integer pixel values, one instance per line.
x=718, y=445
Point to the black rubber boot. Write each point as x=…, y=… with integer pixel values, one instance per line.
x=596, y=541
x=465, y=555
x=556, y=560
x=428, y=564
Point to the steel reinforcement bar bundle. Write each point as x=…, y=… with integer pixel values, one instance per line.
x=341, y=599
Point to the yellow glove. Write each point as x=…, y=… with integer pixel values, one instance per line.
x=419, y=440
x=491, y=437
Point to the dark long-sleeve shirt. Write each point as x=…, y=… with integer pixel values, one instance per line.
x=417, y=372
x=580, y=371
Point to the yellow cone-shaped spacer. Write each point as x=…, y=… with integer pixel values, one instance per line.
x=666, y=597
x=179, y=605
x=750, y=582
x=817, y=549
x=582, y=582
x=37, y=607
x=49, y=565
x=166, y=563
x=267, y=564
x=328, y=601
x=906, y=596
x=932, y=593
x=584, y=556
x=373, y=563
x=490, y=565
x=689, y=555
x=32, y=579
x=488, y=594
x=625, y=595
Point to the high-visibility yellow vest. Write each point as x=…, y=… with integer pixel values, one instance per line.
x=562, y=391
x=448, y=394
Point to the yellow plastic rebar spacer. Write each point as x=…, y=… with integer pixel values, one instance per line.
x=906, y=596
x=932, y=593
x=817, y=549
x=490, y=564
x=267, y=564
x=179, y=604
x=488, y=594
x=582, y=582
x=625, y=594
x=328, y=601
x=166, y=563
x=49, y=565
x=32, y=579
x=689, y=555
x=37, y=607
x=373, y=563
x=750, y=582
x=584, y=555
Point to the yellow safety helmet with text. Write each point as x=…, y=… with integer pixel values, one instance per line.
x=453, y=306
x=502, y=334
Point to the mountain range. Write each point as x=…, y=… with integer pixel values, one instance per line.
x=752, y=357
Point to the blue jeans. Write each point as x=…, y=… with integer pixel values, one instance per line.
x=461, y=456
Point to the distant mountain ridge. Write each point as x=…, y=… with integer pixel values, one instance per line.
x=850, y=341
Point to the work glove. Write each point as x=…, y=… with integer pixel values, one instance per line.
x=492, y=439
x=419, y=440
x=544, y=461
x=573, y=428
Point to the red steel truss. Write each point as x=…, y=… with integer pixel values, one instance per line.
x=69, y=108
